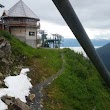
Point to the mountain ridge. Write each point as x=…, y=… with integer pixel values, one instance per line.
x=71, y=42
x=104, y=53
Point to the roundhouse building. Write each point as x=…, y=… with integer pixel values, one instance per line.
x=22, y=22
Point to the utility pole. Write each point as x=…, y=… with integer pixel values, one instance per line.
x=76, y=27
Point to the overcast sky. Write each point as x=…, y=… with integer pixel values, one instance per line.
x=93, y=14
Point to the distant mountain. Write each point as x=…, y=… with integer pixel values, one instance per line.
x=104, y=53
x=71, y=42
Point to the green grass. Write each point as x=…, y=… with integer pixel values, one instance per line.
x=79, y=88
x=19, y=47
x=42, y=62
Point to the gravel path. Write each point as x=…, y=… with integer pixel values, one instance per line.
x=37, y=89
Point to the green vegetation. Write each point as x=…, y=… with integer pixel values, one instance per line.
x=79, y=88
x=42, y=62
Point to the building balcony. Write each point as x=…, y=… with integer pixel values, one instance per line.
x=22, y=23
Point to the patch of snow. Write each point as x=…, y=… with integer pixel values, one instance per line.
x=24, y=71
x=18, y=86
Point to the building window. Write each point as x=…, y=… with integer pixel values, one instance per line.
x=31, y=33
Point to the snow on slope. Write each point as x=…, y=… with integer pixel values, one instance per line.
x=18, y=87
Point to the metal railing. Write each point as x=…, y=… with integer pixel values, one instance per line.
x=21, y=23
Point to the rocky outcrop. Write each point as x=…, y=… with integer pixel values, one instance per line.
x=10, y=64
x=5, y=53
x=1, y=79
x=5, y=48
x=31, y=97
x=1, y=75
x=8, y=101
x=21, y=105
x=14, y=104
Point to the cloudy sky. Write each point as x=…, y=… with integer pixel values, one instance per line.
x=93, y=14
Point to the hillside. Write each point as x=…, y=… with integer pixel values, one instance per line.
x=78, y=88
x=41, y=62
x=104, y=53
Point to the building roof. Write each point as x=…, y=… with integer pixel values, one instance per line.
x=20, y=9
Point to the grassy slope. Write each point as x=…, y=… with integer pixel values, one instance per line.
x=42, y=62
x=79, y=88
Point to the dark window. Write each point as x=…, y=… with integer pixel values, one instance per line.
x=31, y=33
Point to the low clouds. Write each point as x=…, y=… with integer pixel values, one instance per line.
x=93, y=14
